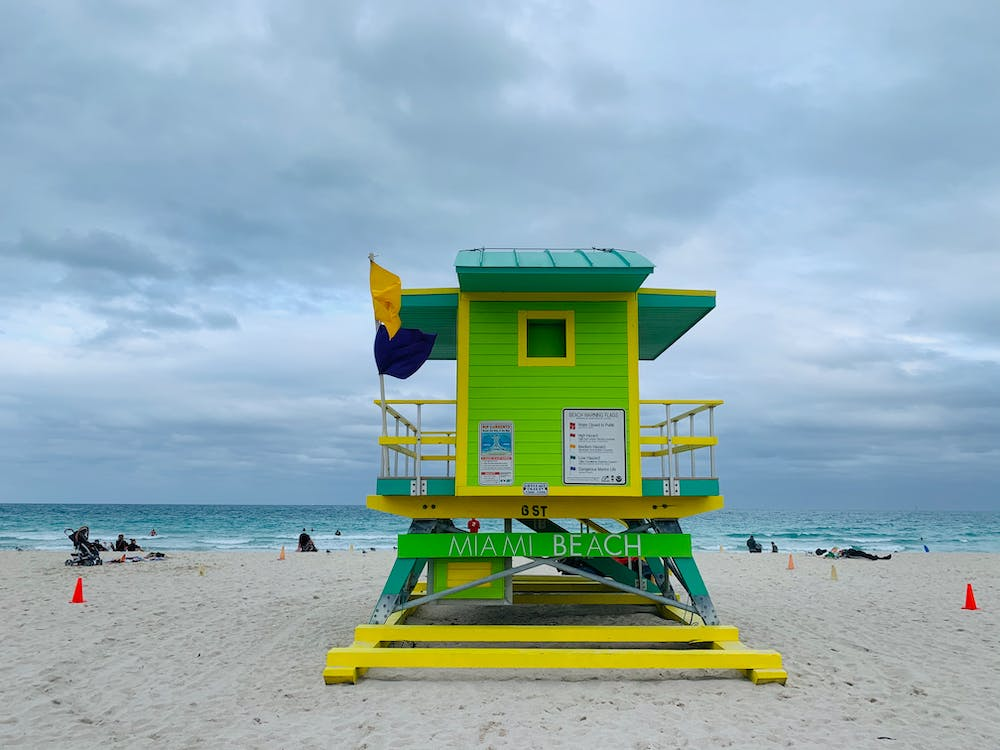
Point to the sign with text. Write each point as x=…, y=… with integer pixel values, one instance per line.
x=594, y=446
x=544, y=545
x=496, y=453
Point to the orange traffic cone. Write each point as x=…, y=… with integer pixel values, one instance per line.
x=78, y=594
x=791, y=563
x=281, y=555
x=970, y=598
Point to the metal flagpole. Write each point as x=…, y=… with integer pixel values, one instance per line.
x=381, y=390
x=385, y=426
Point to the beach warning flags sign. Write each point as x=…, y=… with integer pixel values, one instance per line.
x=791, y=563
x=970, y=598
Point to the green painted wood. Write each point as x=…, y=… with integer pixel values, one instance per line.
x=690, y=576
x=533, y=397
x=401, y=486
x=492, y=545
x=689, y=487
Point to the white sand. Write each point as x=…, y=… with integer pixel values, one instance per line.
x=233, y=658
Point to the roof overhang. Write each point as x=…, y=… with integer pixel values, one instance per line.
x=664, y=316
x=667, y=314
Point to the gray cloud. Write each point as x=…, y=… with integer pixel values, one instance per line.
x=190, y=195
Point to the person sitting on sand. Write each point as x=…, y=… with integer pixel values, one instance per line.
x=855, y=552
x=753, y=545
x=120, y=544
x=99, y=546
x=774, y=547
x=133, y=546
x=306, y=543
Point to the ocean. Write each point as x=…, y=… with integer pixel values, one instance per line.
x=40, y=526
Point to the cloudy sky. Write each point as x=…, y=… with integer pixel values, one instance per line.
x=189, y=194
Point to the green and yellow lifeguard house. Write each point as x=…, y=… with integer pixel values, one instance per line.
x=583, y=482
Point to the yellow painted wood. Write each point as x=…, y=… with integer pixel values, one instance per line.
x=566, y=586
x=547, y=296
x=561, y=658
x=523, y=360
x=632, y=339
x=462, y=395
x=547, y=633
x=444, y=290
x=667, y=451
x=615, y=598
x=335, y=675
x=672, y=401
x=427, y=439
x=424, y=401
x=590, y=506
x=696, y=440
x=762, y=676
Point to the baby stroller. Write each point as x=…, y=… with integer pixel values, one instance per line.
x=86, y=552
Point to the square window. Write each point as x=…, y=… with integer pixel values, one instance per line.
x=546, y=338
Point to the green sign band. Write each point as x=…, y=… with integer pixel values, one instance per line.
x=544, y=545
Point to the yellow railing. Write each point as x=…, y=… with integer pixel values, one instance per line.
x=697, y=420
x=409, y=439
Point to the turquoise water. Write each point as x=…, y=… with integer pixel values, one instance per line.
x=253, y=527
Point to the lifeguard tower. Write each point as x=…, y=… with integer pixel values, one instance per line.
x=552, y=443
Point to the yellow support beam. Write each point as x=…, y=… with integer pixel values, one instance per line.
x=513, y=506
x=613, y=598
x=544, y=658
x=373, y=634
x=426, y=440
x=757, y=675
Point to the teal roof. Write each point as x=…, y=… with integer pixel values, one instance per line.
x=548, y=270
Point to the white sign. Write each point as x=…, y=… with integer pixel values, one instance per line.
x=535, y=488
x=594, y=446
x=496, y=453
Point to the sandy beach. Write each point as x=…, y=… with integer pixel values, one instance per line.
x=227, y=649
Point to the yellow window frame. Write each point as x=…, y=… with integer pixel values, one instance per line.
x=523, y=360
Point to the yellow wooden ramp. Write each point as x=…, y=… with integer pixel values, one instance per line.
x=550, y=647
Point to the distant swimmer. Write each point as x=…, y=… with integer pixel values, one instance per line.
x=152, y=532
x=337, y=532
